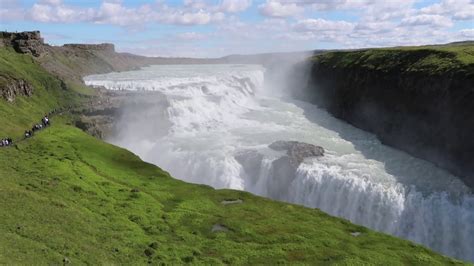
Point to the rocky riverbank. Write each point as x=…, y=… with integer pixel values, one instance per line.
x=97, y=116
x=109, y=112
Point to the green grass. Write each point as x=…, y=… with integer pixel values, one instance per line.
x=464, y=52
x=430, y=60
x=48, y=93
x=67, y=194
x=81, y=89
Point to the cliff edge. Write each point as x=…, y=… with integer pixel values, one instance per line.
x=418, y=99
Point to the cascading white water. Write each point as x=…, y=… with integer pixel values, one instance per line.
x=216, y=122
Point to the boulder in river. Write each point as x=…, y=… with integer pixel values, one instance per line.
x=282, y=171
x=297, y=151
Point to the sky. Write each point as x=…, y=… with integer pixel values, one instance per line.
x=213, y=28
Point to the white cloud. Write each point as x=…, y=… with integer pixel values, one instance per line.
x=227, y=6
x=274, y=8
x=465, y=14
x=301, y=36
x=370, y=10
x=114, y=12
x=9, y=3
x=188, y=18
x=59, y=13
x=288, y=24
x=293, y=7
x=374, y=26
x=427, y=20
x=457, y=9
x=51, y=2
x=11, y=10
x=234, y=6
x=320, y=25
x=467, y=33
x=190, y=36
x=234, y=29
x=197, y=4
x=273, y=24
x=327, y=5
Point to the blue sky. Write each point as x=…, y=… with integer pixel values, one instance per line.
x=209, y=28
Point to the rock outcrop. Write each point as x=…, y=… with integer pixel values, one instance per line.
x=98, y=117
x=283, y=170
x=420, y=100
x=297, y=151
x=111, y=110
x=98, y=126
x=11, y=88
x=27, y=42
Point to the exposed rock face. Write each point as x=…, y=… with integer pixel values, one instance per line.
x=27, y=42
x=412, y=106
x=10, y=89
x=98, y=126
x=98, y=116
x=109, y=113
x=297, y=151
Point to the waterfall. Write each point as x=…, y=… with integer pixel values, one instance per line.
x=216, y=122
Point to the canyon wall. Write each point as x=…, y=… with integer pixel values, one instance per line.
x=417, y=100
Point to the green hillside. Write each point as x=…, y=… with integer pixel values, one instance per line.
x=428, y=59
x=48, y=93
x=68, y=197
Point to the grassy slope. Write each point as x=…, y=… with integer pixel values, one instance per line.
x=66, y=194
x=25, y=111
x=427, y=59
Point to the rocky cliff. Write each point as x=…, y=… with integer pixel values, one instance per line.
x=420, y=100
x=27, y=42
x=11, y=88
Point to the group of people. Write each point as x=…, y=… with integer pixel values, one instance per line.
x=29, y=133
x=44, y=123
x=6, y=142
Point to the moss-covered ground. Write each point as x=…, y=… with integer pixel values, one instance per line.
x=68, y=197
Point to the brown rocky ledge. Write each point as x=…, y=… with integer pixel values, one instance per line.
x=11, y=88
x=98, y=116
